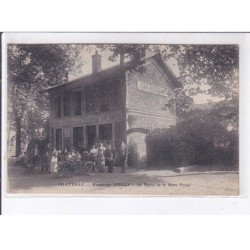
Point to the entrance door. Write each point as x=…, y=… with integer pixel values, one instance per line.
x=91, y=135
x=137, y=149
x=59, y=139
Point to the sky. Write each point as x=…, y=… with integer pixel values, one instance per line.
x=171, y=63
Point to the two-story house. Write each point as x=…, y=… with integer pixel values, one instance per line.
x=113, y=105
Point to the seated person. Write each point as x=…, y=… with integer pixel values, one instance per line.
x=93, y=154
x=85, y=154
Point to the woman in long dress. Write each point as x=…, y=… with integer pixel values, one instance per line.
x=54, y=161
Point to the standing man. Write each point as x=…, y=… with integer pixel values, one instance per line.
x=124, y=156
x=54, y=161
x=101, y=158
x=109, y=158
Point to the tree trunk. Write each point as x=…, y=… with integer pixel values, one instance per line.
x=18, y=135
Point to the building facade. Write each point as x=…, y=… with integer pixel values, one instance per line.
x=113, y=105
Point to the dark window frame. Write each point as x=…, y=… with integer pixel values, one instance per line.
x=58, y=104
x=90, y=99
x=52, y=137
x=107, y=101
x=58, y=140
x=66, y=104
x=105, y=136
x=77, y=106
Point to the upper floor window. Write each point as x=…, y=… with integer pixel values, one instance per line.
x=58, y=107
x=90, y=98
x=77, y=102
x=66, y=105
x=106, y=97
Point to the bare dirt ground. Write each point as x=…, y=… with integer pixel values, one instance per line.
x=134, y=182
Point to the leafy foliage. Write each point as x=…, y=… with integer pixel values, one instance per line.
x=199, y=139
x=214, y=66
x=129, y=52
x=31, y=68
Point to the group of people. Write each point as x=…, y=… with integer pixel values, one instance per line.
x=103, y=156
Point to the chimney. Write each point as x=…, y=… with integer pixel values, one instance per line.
x=96, y=63
x=122, y=58
x=143, y=52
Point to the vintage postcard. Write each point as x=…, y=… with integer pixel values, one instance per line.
x=121, y=118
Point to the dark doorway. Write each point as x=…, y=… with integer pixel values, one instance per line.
x=137, y=148
x=91, y=135
x=59, y=139
x=78, y=138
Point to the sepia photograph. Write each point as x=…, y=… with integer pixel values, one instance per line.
x=122, y=119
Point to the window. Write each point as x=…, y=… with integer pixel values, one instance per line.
x=106, y=97
x=104, y=104
x=52, y=137
x=91, y=135
x=77, y=102
x=105, y=133
x=90, y=99
x=59, y=139
x=58, y=107
x=66, y=105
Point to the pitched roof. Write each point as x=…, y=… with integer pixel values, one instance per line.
x=117, y=70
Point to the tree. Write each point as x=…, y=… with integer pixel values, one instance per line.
x=203, y=69
x=202, y=136
x=199, y=139
x=31, y=68
x=129, y=52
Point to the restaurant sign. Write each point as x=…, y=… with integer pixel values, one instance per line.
x=147, y=87
x=86, y=119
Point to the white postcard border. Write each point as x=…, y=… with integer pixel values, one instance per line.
x=44, y=204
